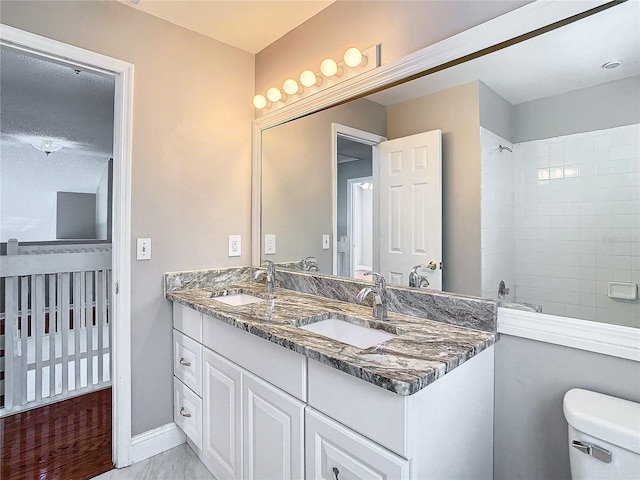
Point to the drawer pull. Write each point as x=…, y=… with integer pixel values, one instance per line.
x=184, y=362
x=183, y=413
x=336, y=472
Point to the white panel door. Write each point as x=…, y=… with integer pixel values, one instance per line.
x=409, y=187
x=273, y=423
x=222, y=417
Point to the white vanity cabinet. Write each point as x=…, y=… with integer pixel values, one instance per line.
x=243, y=427
x=258, y=411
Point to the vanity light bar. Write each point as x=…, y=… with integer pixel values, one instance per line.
x=354, y=62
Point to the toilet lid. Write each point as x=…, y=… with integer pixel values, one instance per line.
x=611, y=419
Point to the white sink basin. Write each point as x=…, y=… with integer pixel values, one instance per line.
x=238, y=299
x=345, y=332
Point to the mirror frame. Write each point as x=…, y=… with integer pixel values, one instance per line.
x=515, y=26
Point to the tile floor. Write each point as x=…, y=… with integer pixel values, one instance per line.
x=179, y=463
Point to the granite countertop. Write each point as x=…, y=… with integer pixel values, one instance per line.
x=423, y=351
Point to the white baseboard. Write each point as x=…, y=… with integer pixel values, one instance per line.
x=614, y=340
x=156, y=441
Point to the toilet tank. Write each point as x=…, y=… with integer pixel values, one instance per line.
x=604, y=436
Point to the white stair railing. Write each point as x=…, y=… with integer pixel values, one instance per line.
x=56, y=326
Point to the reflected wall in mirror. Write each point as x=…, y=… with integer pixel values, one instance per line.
x=554, y=213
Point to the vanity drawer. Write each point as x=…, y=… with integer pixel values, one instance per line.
x=187, y=411
x=277, y=365
x=334, y=451
x=187, y=361
x=188, y=321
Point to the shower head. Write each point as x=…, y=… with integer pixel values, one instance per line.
x=501, y=147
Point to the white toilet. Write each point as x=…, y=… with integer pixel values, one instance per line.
x=604, y=436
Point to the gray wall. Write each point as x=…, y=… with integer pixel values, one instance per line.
x=531, y=379
x=296, y=179
x=191, y=171
x=496, y=114
x=456, y=112
x=609, y=105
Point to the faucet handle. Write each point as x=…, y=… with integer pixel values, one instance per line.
x=378, y=279
x=270, y=266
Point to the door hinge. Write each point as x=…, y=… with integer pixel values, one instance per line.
x=116, y=287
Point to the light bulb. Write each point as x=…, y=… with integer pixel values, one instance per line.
x=308, y=78
x=329, y=67
x=259, y=101
x=353, y=57
x=290, y=86
x=274, y=94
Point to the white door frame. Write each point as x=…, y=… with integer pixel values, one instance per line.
x=351, y=182
x=359, y=136
x=121, y=227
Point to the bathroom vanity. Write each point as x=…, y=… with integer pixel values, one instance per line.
x=259, y=396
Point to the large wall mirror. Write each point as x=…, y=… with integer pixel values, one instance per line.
x=538, y=146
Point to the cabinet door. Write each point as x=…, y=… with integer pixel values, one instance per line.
x=222, y=429
x=336, y=452
x=273, y=432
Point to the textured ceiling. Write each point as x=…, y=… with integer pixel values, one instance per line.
x=248, y=25
x=560, y=61
x=42, y=98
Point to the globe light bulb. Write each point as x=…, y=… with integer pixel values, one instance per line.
x=352, y=57
x=259, y=101
x=329, y=67
x=290, y=86
x=308, y=78
x=274, y=94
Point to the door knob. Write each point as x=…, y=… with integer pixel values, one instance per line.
x=432, y=265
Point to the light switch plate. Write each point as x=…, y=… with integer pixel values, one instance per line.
x=235, y=245
x=143, y=249
x=269, y=244
x=325, y=241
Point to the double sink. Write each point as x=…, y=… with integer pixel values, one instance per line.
x=353, y=331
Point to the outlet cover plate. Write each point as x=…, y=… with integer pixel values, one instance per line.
x=235, y=245
x=269, y=244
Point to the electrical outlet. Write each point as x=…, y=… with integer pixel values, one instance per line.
x=269, y=244
x=235, y=245
x=325, y=241
x=143, y=249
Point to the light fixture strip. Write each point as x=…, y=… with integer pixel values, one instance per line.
x=354, y=63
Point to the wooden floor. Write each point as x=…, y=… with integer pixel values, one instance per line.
x=69, y=440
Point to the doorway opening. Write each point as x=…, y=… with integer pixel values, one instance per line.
x=89, y=287
x=354, y=197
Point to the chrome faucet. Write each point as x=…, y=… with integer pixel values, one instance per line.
x=269, y=273
x=309, y=264
x=379, y=291
x=417, y=280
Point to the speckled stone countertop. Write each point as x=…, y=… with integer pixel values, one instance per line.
x=423, y=351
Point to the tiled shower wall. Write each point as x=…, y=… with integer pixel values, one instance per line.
x=497, y=214
x=577, y=223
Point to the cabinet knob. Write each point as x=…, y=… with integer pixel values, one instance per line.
x=335, y=472
x=184, y=362
x=183, y=413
